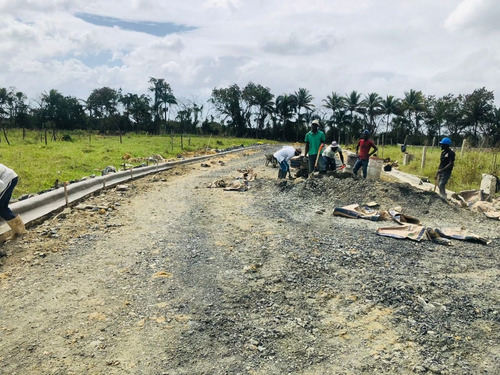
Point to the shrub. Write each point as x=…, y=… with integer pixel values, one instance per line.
x=67, y=138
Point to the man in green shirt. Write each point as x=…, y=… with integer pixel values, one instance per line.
x=314, y=141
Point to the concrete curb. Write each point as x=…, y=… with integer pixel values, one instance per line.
x=37, y=207
x=415, y=181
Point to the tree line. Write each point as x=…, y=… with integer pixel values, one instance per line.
x=253, y=111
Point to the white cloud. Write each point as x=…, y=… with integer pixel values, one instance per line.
x=482, y=15
x=386, y=46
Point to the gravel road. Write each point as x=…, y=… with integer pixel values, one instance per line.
x=172, y=277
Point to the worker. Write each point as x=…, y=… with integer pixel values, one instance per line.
x=8, y=181
x=446, y=164
x=329, y=156
x=365, y=144
x=314, y=142
x=283, y=157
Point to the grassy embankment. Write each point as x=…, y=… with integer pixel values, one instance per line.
x=468, y=170
x=39, y=165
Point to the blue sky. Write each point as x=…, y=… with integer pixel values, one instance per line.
x=159, y=29
x=325, y=46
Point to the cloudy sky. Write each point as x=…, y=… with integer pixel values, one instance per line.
x=325, y=46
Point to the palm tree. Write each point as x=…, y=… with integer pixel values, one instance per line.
x=162, y=95
x=167, y=99
x=285, y=106
x=335, y=103
x=353, y=104
x=389, y=106
x=413, y=104
x=303, y=100
x=342, y=121
x=372, y=103
x=436, y=114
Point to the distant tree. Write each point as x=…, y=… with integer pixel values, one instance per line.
x=20, y=111
x=140, y=112
x=168, y=100
x=390, y=106
x=372, y=104
x=137, y=112
x=413, y=105
x=228, y=103
x=261, y=98
x=436, y=113
x=188, y=116
x=54, y=111
x=492, y=128
x=163, y=97
x=335, y=103
x=6, y=100
x=455, y=121
x=285, y=108
x=354, y=105
x=343, y=125
x=104, y=105
x=127, y=100
x=184, y=120
x=303, y=100
x=477, y=108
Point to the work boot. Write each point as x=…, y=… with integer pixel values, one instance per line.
x=17, y=227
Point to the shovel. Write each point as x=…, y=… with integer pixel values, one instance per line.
x=317, y=156
x=317, y=159
x=436, y=182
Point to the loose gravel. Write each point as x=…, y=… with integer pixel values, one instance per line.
x=177, y=278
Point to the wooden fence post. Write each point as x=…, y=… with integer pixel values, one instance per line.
x=424, y=154
x=464, y=142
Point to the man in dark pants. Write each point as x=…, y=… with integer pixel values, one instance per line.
x=363, y=148
x=8, y=181
x=446, y=164
x=314, y=141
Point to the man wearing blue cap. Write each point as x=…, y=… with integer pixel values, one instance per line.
x=446, y=164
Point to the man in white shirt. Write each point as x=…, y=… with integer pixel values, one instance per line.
x=283, y=157
x=329, y=156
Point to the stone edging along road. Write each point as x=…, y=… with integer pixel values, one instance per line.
x=37, y=207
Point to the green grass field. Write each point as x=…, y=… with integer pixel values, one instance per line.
x=39, y=165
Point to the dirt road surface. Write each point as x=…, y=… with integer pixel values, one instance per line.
x=172, y=277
